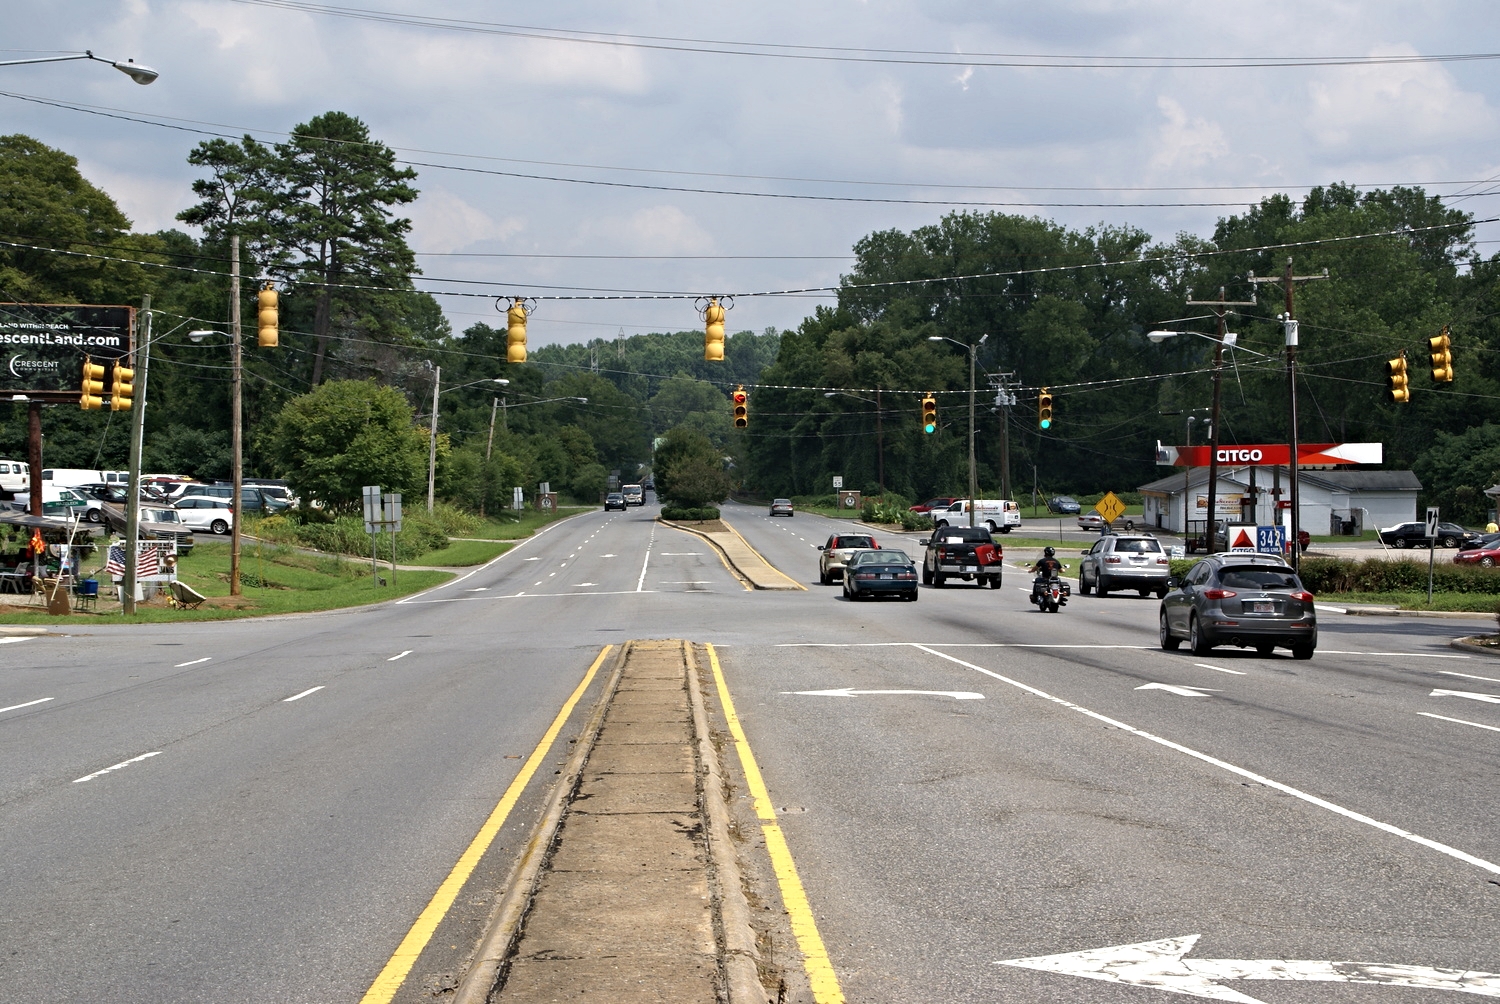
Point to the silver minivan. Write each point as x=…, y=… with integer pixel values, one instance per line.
x=1125, y=561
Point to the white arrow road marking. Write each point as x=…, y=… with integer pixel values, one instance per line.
x=957, y=695
x=1160, y=964
x=1426, y=714
x=1179, y=691
x=400, y=655
x=122, y=763
x=193, y=663
x=298, y=697
x=39, y=700
x=1487, y=698
x=1468, y=676
x=1218, y=669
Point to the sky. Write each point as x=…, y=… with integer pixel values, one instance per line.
x=553, y=141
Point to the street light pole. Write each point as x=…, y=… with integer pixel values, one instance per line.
x=236, y=417
x=1220, y=307
x=973, y=362
x=1187, y=476
x=140, y=74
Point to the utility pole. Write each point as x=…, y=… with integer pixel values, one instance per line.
x=1220, y=307
x=236, y=418
x=879, y=443
x=494, y=406
x=1289, y=324
x=973, y=483
x=137, y=437
x=437, y=378
x=1004, y=399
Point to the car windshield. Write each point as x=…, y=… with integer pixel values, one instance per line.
x=854, y=542
x=1258, y=578
x=882, y=558
x=1142, y=546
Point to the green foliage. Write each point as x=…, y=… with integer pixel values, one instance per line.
x=182, y=449
x=344, y=435
x=689, y=472
x=1457, y=468
x=1375, y=575
x=680, y=513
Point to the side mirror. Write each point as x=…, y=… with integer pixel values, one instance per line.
x=820, y=547
x=1173, y=582
x=1084, y=553
x=925, y=541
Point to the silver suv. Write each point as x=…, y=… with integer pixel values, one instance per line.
x=1124, y=561
x=1249, y=600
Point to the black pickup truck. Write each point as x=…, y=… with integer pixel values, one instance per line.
x=966, y=552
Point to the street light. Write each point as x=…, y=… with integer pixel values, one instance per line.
x=879, y=431
x=973, y=355
x=140, y=74
x=437, y=378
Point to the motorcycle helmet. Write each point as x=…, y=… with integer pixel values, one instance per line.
x=1049, y=552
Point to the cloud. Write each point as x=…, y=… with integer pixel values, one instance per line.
x=1182, y=142
x=443, y=222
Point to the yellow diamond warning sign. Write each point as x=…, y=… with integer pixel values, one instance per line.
x=1110, y=507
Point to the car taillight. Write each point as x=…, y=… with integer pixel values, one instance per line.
x=906, y=575
x=1304, y=596
x=1218, y=594
x=1111, y=560
x=1162, y=561
x=867, y=575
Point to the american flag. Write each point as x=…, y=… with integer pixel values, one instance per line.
x=147, y=562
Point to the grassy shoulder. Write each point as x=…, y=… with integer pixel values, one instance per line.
x=1461, y=602
x=275, y=580
x=462, y=553
x=529, y=522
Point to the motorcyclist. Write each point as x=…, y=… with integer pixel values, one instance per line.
x=1047, y=566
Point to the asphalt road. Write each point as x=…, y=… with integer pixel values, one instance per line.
x=270, y=849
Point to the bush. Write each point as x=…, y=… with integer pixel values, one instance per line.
x=681, y=513
x=419, y=534
x=1376, y=575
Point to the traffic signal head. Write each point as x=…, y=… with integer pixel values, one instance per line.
x=1044, y=409
x=92, y=387
x=266, y=317
x=121, y=387
x=713, y=331
x=515, y=332
x=929, y=414
x=1441, y=350
x=741, y=408
x=1397, y=379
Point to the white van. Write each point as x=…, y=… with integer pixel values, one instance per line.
x=999, y=515
x=14, y=476
x=70, y=477
x=56, y=501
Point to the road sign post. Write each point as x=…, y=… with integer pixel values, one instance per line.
x=1432, y=532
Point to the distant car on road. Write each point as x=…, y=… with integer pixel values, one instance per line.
x=1249, y=600
x=1415, y=535
x=615, y=500
x=781, y=507
x=877, y=573
x=932, y=504
x=634, y=494
x=1124, y=562
x=1065, y=505
x=837, y=551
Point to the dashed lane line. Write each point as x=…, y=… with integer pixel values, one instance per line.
x=122, y=763
x=14, y=707
x=298, y=697
x=1460, y=721
x=194, y=662
x=1469, y=676
x=400, y=655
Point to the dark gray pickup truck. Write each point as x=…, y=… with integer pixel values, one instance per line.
x=961, y=552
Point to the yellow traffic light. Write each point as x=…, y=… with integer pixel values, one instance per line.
x=267, y=317
x=1397, y=379
x=515, y=332
x=929, y=414
x=1044, y=409
x=92, y=387
x=713, y=331
x=741, y=407
x=121, y=387
x=1441, y=352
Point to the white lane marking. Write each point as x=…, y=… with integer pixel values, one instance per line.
x=957, y=695
x=686, y=582
x=1179, y=691
x=616, y=555
x=538, y=582
x=12, y=640
x=1428, y=714
x=1322, y=803
x=944, y=644
x=681, y=554
x=122, y=763
x=539, y=559
x=298, y=697
x=550, y=574
x=1487, y=698
x=1160, y=964
x=573, y=555
x=1467, y=676
x=478, y=589
x=534, y=596
x=39, y=700
x=193, y=663
x=1219, y=669
x=561, y=565
x=1406, y=655
x=640, y=584
x=578, y=584
x=401, y=655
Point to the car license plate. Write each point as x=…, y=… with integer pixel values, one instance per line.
x=971, y=568
x=1262, y=607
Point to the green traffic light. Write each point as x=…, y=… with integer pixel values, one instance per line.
x=1045, y=423
x=929, y=428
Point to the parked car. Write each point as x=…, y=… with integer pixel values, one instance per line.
x=962, y=552
x=1415, y=535
x=1248, y=600
x=942, y=502
x=1485, y=556
x=1120, y=561
x=878, y=573
x=1091, y=520
x=64, y=502
x=615, y=500
x=1483, y=540
x=1064, y=505
x=205, y=512
x=252, y=498
x=837, y=551
x=781, y=507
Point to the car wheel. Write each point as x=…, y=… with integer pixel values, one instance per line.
x=1264, y=650
x=994, y=582
x=912, y=596
x=823, y=579
x=1083, y=583
x=219, y=526
x=1302, y=651
x=926, y=576
x=1169, y=641
x=1099, y=585
x=1005, y=529
x=939, y=580
x=1144, y=593
x=1196, y=641
x=1399, y=543
x=1487, y=562
x=1450, y=541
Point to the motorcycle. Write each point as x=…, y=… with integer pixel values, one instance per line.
x=1049, y=593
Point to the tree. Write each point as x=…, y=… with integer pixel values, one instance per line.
x=344, y=435
x=688, y=471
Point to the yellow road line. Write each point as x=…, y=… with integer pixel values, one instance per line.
x=762, y=557
x=396, y=970
x=820, y=974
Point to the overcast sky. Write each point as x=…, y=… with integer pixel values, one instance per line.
x=679, y=114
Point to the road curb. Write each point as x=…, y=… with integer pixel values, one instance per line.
x=484, y=972
x=1465, y=644
x=742, y=565
x=23, y=629
x=1398, y=612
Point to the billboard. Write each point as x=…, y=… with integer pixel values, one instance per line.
x=42, y=345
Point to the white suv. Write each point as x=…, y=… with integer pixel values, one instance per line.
x=205, y=512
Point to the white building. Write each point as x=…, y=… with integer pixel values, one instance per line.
x=1330, y=498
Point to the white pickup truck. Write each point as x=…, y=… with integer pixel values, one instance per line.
x=996, y=515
